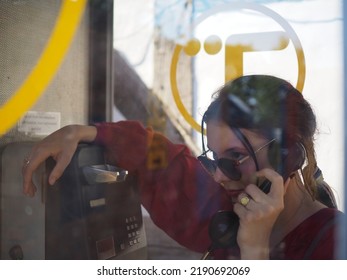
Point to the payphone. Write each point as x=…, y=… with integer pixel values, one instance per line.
x=92, y=212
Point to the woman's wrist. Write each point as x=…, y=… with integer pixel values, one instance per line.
x=255, y=253
x=83, y=133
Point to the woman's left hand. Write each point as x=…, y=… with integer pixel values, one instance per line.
x=258, y=215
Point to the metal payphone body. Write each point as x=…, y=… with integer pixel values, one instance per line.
x=92, y=212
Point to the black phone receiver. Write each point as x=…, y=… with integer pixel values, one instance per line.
x=225, y=224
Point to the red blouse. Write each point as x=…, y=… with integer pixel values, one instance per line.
x=181, y=197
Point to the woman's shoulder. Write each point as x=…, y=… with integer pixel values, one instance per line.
x=315, y=237
x=325, y=214
x=323, y=218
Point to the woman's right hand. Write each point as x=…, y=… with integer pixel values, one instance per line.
x=60, y=145
x=259, y=214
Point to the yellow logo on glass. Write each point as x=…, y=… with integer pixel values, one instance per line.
x=235, y=47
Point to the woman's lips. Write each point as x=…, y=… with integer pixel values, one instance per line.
x=233, y=194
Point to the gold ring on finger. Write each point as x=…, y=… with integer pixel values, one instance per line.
x=26, y=161
x=244, y=200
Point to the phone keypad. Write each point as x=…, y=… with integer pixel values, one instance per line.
x=133, y=231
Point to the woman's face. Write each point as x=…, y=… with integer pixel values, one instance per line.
x=223, y=142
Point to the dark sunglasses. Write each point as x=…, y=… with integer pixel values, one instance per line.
x=229, y=167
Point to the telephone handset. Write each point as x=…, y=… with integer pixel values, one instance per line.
x=224, y=224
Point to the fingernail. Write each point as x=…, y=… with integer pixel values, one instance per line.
x=52, y=181
x=253, y=178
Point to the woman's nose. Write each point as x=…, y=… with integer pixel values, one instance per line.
x=219, y=176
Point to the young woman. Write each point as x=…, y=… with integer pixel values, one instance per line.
x=259, y=169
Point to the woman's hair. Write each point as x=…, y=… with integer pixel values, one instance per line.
x=266, y=104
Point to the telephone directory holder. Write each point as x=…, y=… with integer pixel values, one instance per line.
x=224, y=224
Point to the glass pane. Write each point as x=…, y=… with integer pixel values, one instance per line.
x=184, y=51
x=136, y=189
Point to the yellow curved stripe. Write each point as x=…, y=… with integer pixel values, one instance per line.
x=41, y=75
x=175, y=92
